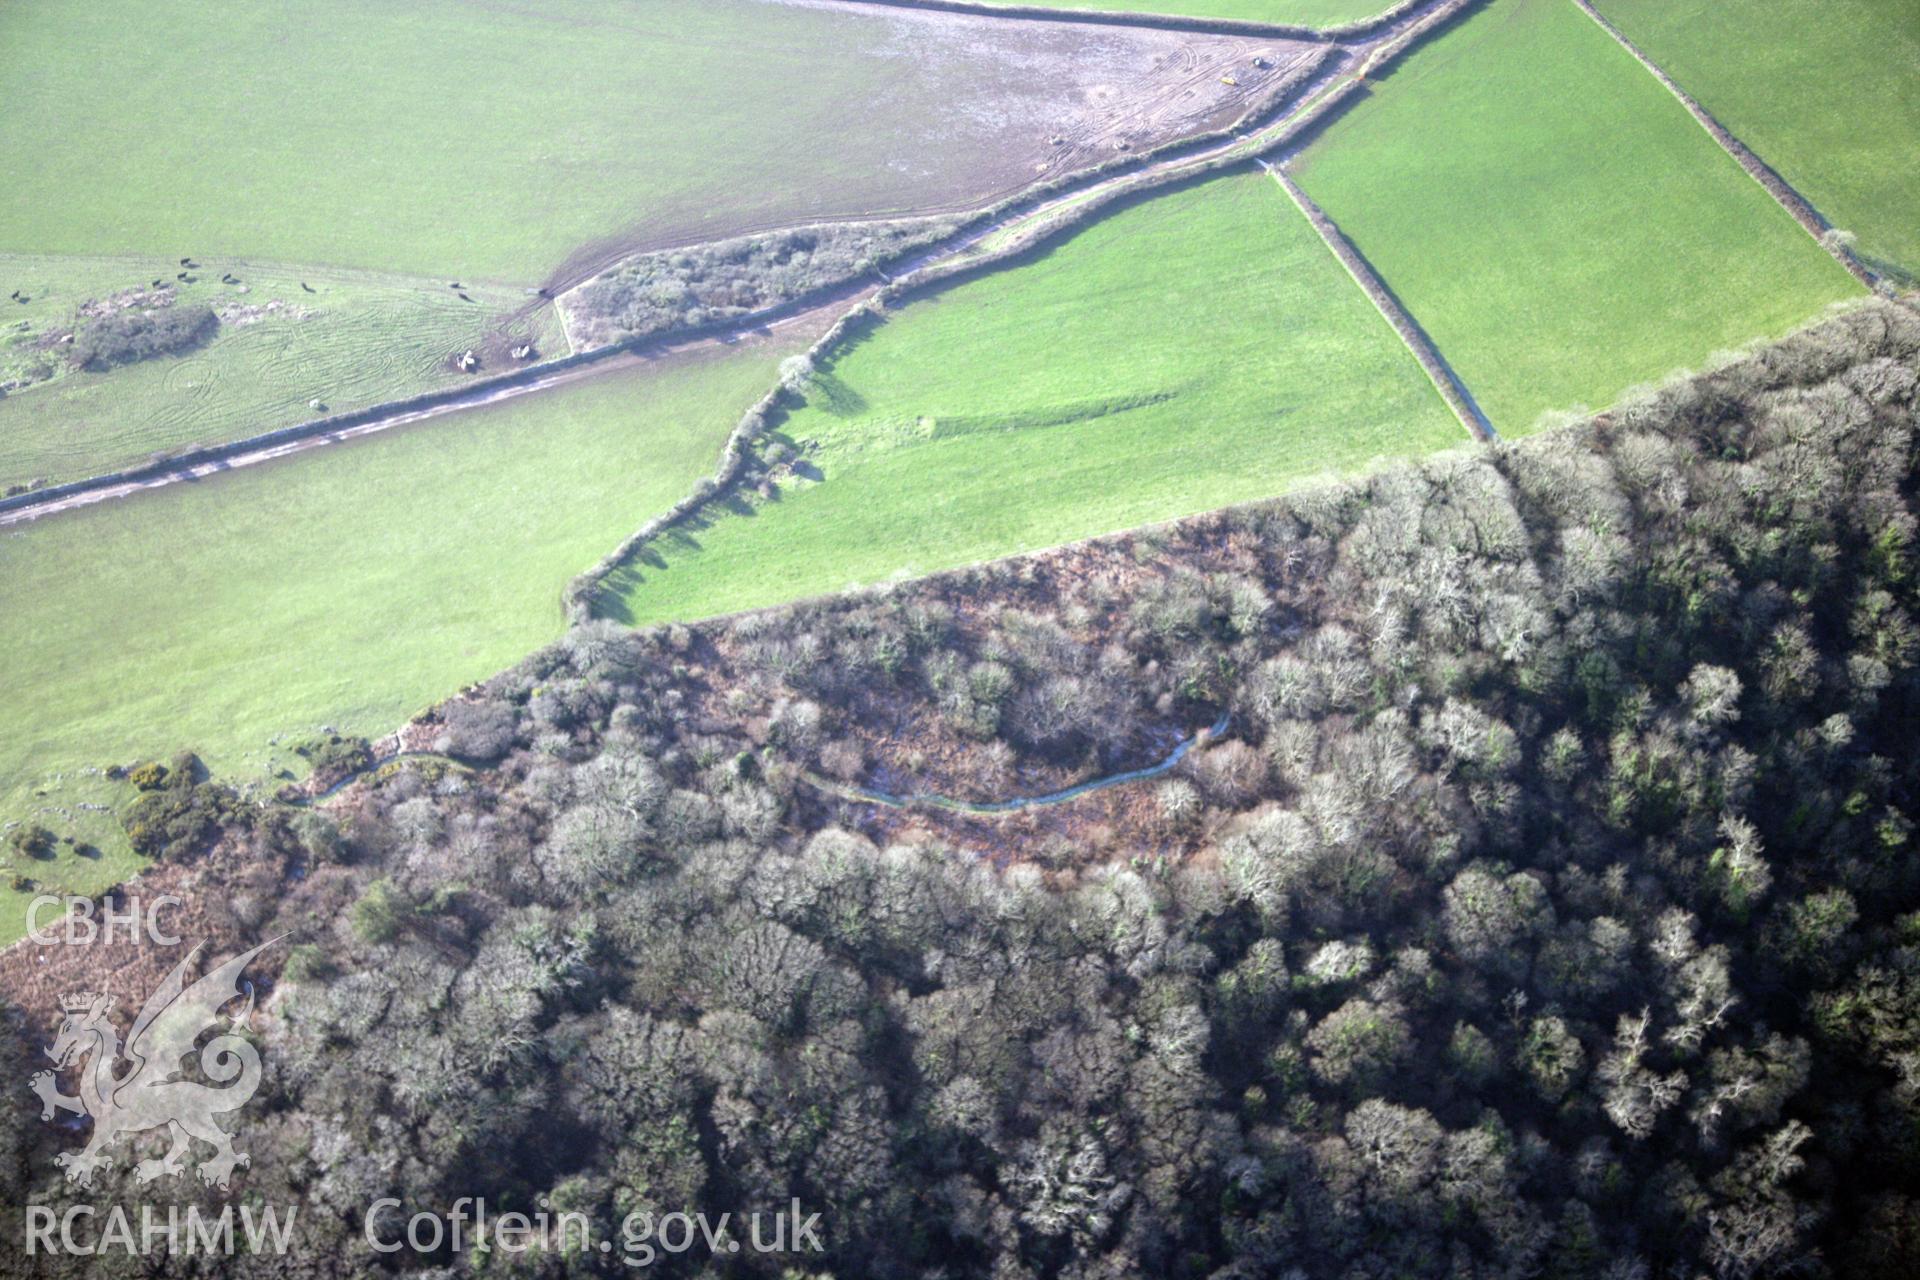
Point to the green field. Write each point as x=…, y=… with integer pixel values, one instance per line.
x=493, y=141
x=1555, y=219
x=1196, y=350
x=1825, y=91
x=1309, y=13
x=350, y=586
x=357, y=339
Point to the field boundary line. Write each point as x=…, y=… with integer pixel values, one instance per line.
x=566, y=327
x=1194, y=24
x=1452, y=388
x=579, y=269
x=318, y=432
x=973, y=218
x=1798, y=207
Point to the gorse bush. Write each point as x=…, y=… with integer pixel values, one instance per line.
x=182, y=812
x=130, y=335
x=149, y=775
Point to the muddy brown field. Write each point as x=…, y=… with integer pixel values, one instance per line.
x=1042, y=100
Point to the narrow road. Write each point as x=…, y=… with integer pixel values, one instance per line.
x=246, y=454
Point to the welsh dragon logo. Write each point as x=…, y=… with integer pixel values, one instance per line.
x=146, y=1092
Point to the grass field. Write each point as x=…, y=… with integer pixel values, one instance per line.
x=1825, y=91
x=1310, y=13
x=1554, y=219
x=350, y=586
x=357, y=339
x=1190, y=352
x=493, y=141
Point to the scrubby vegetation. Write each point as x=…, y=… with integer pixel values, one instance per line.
x=180, y=811
x=130, y=335
x=712, y=283
x=31, y=840
x=334, y=756
x=1552, y=909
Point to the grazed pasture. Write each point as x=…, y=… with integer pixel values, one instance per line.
x=1555, y=219
x=348, y=339
x=500, y=142
x=1824, y=90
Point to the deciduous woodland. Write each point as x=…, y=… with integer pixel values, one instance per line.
x=1549, y=906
